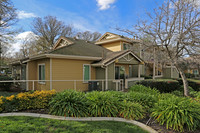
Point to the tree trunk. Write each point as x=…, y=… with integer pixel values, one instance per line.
x=185, y=82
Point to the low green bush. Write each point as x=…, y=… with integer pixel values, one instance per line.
x=192, y=83
x=5, y=86
x=163, y=85
x=102, y=104
x=130, y=110
x=180, y=92
x=145, y=100
x=177, y=113
x=120, y=96
x=69, y=103
x=25, y=101
x=144, y=89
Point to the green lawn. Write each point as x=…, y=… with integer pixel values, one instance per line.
x=21, y=124
x=6, y=93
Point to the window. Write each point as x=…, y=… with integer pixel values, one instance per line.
x=86, y=73
x=126, y=46
x=41, y=72
x=130, y=71
x=195, y=72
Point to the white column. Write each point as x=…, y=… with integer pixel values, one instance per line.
x=139, y=71
x=106, y=76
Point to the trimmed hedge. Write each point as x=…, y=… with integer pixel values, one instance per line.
x=193, y=84
x=163, y=85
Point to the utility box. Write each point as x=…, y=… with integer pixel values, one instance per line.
x=93, y=86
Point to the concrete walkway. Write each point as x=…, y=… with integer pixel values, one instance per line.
x=139, y=124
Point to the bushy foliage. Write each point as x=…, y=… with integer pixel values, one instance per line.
x=131, y=110
x=195, y=85
x=24, y=101
x=5, y=86
x=144, y=89
x=102, y=104
x=164, y=86
x=145, y=100
x=69, y=103
x=180, y=92
x=177, y=113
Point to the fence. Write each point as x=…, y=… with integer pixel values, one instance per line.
x=79, y=85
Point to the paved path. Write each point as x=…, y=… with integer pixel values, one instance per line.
x=141, y=125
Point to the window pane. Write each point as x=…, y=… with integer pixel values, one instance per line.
x=86, y=72
x=43, y=72
x=40, y=73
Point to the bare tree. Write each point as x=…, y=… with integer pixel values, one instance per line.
x=89, y=36
x=49, y=29
x=175, y=26
x=8, y=17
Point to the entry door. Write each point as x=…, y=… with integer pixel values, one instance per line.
x=119, y=72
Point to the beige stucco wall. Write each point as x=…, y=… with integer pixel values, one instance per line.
x=33, y=74
x=65, y=69
x=113, y=46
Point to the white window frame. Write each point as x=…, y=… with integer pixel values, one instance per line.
x=43, y=64
x=86, y=81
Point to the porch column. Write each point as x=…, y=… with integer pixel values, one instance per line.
x=106, y=77
x=139, y=71
x=27, y=78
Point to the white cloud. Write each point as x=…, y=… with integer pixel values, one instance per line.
x=23, y=15
x=105, y=4
x=22, y=36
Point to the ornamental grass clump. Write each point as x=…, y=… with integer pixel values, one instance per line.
x=144, y=89
x=69, y=103
x=145, y=100
x=130, y=110
x=177, y=113
x=102, y=104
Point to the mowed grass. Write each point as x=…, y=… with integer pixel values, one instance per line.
x=22, y=124
x=6, y=93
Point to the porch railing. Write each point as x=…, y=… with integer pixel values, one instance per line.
x=31, y=84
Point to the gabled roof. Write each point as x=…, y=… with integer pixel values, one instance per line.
x=80, y=48
x=83, y=50
x=111, y=57
x=111, y=37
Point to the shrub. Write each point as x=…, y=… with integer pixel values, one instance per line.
x=144, y=89
x=145, y=100
x=130, y=110
x=35, y=100
x=5, y=86
x=120, y=96
x=102, y=104
x=164, y=86
x=195, y=85
x=180, y=92
x=24, y=101
x=177, y=113
x=69, y=103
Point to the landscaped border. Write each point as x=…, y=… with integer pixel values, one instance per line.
x=139, y=124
